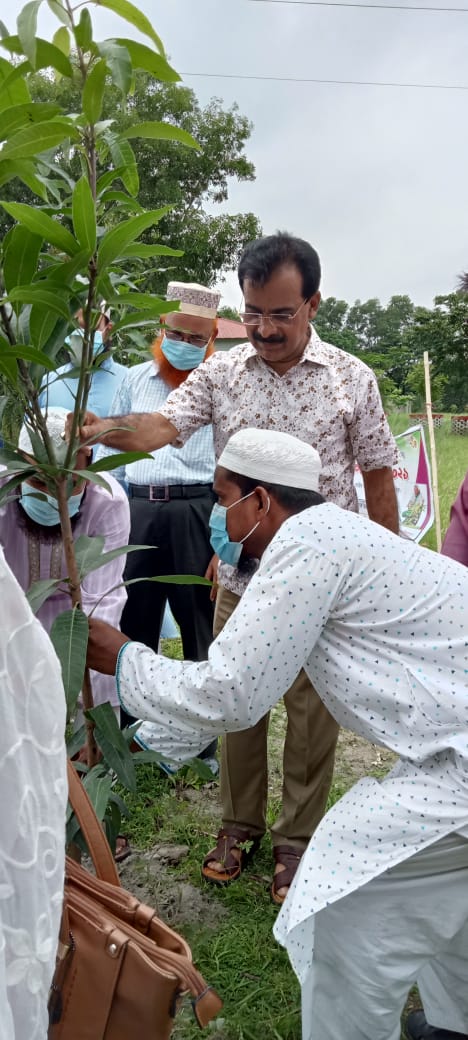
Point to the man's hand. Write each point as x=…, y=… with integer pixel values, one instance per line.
x=93, y=428
x=381, y=500
x=104, y=643
x=140, y=431
x=211, y=574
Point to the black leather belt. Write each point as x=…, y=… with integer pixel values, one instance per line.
x=164, y=492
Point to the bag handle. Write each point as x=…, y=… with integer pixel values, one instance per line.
x=98, y=846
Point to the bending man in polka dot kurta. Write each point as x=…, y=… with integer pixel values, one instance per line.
x=285, y=378
x=379, y=625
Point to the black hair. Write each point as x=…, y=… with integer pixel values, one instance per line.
x=292, y=499
x=264, y=256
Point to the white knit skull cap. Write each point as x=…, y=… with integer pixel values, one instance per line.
x=55, y=420
x=276, y=458
x=194, y=299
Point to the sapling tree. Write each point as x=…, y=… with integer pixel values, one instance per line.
x=78, y=245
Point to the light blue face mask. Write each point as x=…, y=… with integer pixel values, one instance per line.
x=75, y=343
x=44, y=511
x=183, y=356
x=228, y=552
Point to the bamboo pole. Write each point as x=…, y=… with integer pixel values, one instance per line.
x=430, y=423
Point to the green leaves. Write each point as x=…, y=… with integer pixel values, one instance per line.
x=48, y=56
x=28, y=354
x=144, y=251
x=143, y=57
x=58, y=9
x=84, y=30
x=20, y=254
x=23, y=169
x=110, y=462
x=89, y=554
x=120, y=237
x=113, y=744
x=131, y=14
x=69, y=635
x=13, y=89
x=33, y=140
x=61, y=39
x=40, y=224
x=40, y=591
x=161, y=132
x=84, y=215
x=93, y=92
x=39, y=294
x=21, y=115
x=123, y=158
x=170, y=579
x=119, y=64
x=27, y=29
x=142, y=301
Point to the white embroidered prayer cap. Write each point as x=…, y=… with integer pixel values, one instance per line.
x=276, y=458
x=194, y=299
x=55, y=420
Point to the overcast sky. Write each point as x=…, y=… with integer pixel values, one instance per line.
x=374, y=177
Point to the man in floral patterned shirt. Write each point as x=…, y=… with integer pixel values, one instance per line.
x=284, y=379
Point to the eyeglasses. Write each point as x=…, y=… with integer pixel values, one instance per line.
x=275, y=318
x=180, y=336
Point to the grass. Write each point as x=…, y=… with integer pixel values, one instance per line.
x=231, y=935
x=230, y=929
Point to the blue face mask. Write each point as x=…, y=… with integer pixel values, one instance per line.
x=44, y=511
x=228, y=552
x=183, y=356
x=75, y=344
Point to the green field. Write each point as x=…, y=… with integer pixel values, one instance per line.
x=230, y=929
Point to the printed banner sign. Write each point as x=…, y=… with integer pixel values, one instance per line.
x=412, y=476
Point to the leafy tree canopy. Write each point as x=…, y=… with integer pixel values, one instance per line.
x=191, y=182
x=392, y=339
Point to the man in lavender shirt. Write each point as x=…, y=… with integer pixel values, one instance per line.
x=32, y=543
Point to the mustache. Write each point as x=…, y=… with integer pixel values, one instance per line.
x=268, y=339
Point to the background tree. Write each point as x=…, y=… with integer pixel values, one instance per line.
x=392, y=339
x=443, y=332
x=166, y=175
x=229, y=312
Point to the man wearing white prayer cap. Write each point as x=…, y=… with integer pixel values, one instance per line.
x=171, y=495
x=287, y=380
x=379, y=624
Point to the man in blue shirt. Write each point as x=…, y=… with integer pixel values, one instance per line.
x=171, y=495
x=61, y=392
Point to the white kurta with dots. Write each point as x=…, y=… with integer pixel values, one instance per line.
x=380, y=626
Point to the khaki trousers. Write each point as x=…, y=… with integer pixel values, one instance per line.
x=308, y=760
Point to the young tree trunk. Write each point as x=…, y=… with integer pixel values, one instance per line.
x=75, y=592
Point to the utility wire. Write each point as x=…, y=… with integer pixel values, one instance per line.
x=340, y=82
x=380, y=7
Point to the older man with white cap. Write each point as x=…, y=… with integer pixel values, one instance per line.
x=171, y=495
x=379, y=625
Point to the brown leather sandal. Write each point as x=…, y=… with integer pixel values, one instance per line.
x=289, y=858
x=122, y=848
x=229, y=838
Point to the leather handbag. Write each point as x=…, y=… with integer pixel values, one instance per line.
x=120, y=971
